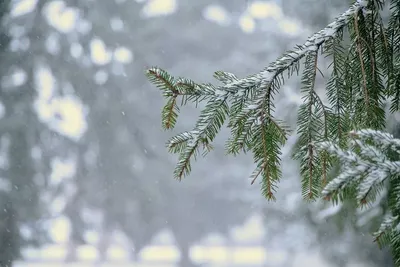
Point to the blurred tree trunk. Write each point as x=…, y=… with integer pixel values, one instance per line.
x=185, y=260
x=74, y=206
x=103, y=244
x=184, y=248
x=9, y=232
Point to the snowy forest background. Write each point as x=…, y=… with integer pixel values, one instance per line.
x=85, y=177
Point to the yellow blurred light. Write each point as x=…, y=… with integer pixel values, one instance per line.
x=263, y=10
x=289, y=27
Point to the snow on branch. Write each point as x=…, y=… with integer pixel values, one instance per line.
x=287, y=60
x=364, y=76
x=368, y=168
x=383, y=139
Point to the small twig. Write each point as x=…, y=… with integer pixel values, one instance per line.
x=361, y=61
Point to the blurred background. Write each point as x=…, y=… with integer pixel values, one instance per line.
x=85, y=178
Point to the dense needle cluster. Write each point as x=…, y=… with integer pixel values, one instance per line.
x=364, y=83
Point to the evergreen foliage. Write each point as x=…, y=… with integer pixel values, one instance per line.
x=347, y=132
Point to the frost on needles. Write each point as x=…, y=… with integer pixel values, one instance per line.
x=347, y=131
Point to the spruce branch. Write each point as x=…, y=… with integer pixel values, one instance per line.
x=365, y=75
x=338, y=117
x=309, y=123
x=251, y=108
x=382, y=139
x=267, y=75
x=367, y=166
x=360, y=54
x=162, y=80
x=210, y=121
x=170, y=113
x=383, y=235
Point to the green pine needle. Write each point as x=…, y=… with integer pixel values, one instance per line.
x=335, y=163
